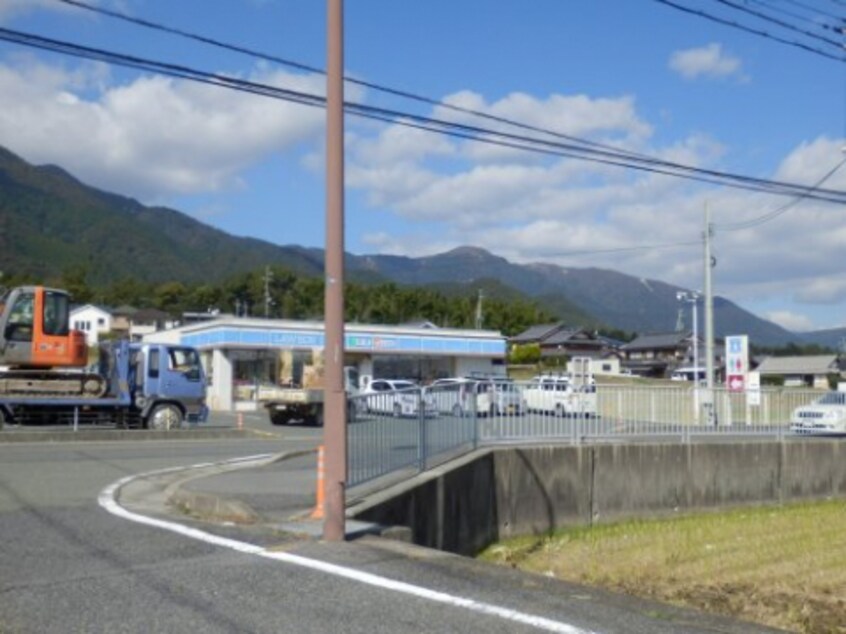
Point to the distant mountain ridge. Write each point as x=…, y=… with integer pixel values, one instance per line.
x=50, y=221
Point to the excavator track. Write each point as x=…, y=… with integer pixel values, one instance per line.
x=51, y=384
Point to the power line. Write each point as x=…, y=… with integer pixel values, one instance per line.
x=781, y=23
x=748, y=224
x=474, y=133
x=645, y=247
x=359, y=82
x=811, y=9
x=614, y=152
x=737, y=25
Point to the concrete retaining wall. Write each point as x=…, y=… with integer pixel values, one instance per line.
x=495, y=494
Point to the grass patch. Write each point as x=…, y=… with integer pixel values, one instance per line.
x=784, y=567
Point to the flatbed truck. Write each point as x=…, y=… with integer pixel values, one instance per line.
x=152, y=386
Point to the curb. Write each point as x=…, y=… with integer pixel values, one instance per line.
x=11, y=436
x=210, y=507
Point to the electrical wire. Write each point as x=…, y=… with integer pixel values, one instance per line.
x=772, y=215
x=801, y=18
x=812, y=9
x=781, y=23
x=474, y=133
x=737, y=25
x=616, y=152
x=352, y=80
x=645, y=247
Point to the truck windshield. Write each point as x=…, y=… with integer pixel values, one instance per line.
x=185, y=360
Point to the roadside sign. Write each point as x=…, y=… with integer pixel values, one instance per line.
x=753, y=388
x=737, y=362
x=736, y=382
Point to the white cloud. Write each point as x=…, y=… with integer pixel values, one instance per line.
x=153, y=137
x=790, y=321
x=706, y=61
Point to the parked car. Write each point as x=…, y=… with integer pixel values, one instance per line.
x=499, y=396
x=399, y=397
x=453, y=396
x=556, y=394
x=482, y=396
x=826, y=415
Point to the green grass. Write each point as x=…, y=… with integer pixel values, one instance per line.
x=784, y=567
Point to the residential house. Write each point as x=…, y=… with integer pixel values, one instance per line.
x=147, y=321
x=94, y=321
x=810, y=371
x=121, y=319
x=656, y=355
x=558, y=340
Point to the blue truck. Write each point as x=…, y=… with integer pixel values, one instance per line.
x=147, y=386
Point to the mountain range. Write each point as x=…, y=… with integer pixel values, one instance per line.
x=50, y=221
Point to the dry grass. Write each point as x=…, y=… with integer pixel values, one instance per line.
x=784, y=567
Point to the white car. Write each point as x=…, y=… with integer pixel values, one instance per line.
x=480, y=396
x=554, y=394
x=826, y=415
x=452, y=396
x=398, y=397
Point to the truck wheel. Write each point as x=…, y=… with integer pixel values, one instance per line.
x=165, y=417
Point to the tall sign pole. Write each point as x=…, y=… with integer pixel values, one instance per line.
x=709, y=314
x=335, y=410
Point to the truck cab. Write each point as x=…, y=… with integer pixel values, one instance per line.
x=168, y=385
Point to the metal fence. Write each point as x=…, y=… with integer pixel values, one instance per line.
x=400, y=433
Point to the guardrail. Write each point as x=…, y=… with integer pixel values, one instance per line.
x=435, y=424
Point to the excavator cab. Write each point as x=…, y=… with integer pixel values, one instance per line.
x=35, y=330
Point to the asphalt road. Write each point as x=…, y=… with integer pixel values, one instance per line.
x=68, y=565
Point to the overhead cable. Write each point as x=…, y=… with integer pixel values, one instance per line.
x=474, y=133
x=737, y=25
x=396, y=92
x=781, y=23
x=754, y=222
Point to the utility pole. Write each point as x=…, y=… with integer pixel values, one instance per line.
x=707, y=234
x=479, y=309
x=268, y=275
x=335, y=403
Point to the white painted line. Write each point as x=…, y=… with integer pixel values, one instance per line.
x=107, y=500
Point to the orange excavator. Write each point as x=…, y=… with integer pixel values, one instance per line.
x=41, y=356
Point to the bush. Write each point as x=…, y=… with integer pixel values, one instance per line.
x=522, y=354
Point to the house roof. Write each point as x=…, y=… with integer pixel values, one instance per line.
x=659, y=340
x=125, y=310
x=568, y=335
x=80, y=308
x=821, y=364
x=149, y=315
x=538, y=333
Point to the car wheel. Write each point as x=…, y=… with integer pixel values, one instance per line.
x=457, y=411
x=397, y=410
x=560, y=411
x=165, y=417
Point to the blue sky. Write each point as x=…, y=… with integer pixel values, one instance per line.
x=634, y=73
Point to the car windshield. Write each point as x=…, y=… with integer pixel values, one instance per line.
x=403, y=385
x=833, y=398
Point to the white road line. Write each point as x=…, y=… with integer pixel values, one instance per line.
x=107, y=500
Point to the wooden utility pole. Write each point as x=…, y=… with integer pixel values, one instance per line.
x=335, y=404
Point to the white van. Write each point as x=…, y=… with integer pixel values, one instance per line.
x=556, y=394
x=482, y=396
